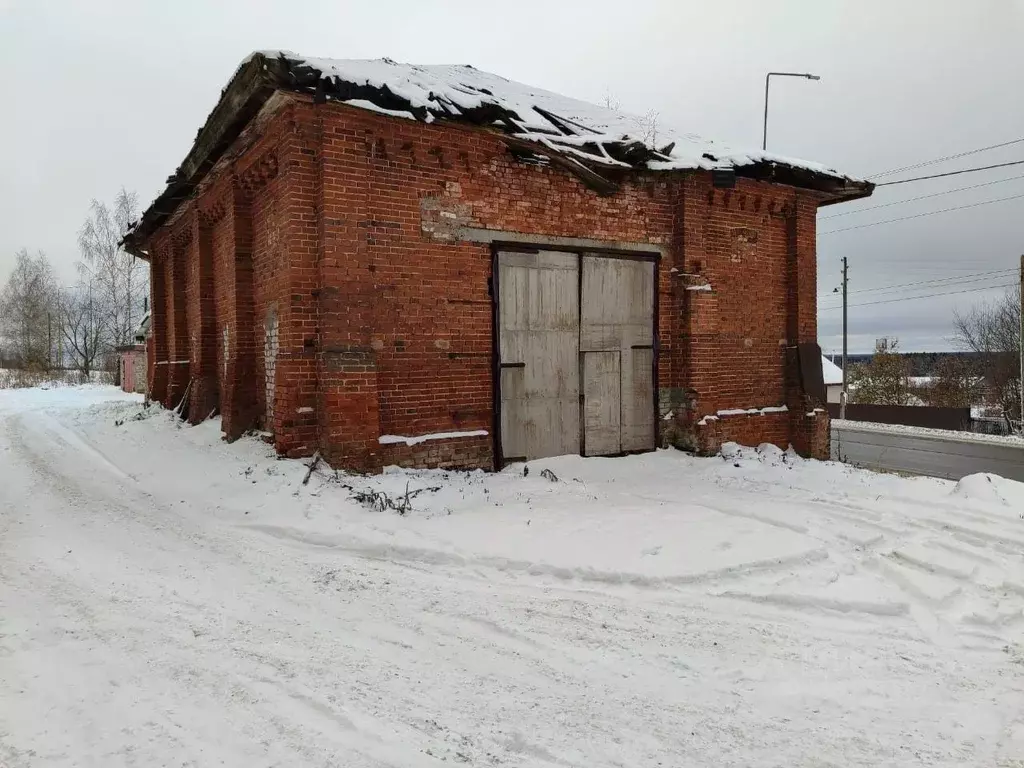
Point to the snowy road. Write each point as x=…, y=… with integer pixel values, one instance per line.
x=169, y=600
x=931, y=452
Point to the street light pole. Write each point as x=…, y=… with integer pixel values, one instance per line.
x=767, y=80
x=845, y=395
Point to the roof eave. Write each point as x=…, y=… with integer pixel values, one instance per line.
x=835, y=188
x=241, y=100
x=855, y=190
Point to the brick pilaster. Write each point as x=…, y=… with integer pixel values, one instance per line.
x=809, y=429
x=349, y=398
x=298, y=192
x=177, y=326
x=158, y=326
x=240, y=405
x=203, y=399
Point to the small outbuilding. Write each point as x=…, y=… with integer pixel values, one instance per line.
x=437, y=266
x=832, y=375
x=132, y=360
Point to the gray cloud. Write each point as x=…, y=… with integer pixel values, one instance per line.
x=103, y=94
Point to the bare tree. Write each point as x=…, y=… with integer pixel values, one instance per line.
x=955, y=384
x=81, y=327
x=647, y=123
x=885, y=380
x=120, y=281
x=649, y=127
x=26, y=307
x=992, y=332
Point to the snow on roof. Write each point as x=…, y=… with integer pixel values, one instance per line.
x=560, y=123
x=831, y=372
x=590, y=141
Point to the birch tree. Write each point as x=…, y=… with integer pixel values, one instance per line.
x=120, y=281
x=81, y=327
x=26, y=308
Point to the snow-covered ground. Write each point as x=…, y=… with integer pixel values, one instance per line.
x=167, y=599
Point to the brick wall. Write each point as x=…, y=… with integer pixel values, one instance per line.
x=138, y=363
x=772, y=428
x=149, y=366
x=344, y=225
x=417, y=314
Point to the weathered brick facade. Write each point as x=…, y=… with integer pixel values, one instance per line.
x=328, y=283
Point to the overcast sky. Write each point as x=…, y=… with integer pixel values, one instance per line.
x=101, y=93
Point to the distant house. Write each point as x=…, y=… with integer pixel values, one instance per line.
x=434, y=265
x=833, y=376
x=132, y=360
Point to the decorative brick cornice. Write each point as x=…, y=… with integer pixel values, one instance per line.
x=181, y=236
x=259, y=173
x=735, y=200
x=214, y=210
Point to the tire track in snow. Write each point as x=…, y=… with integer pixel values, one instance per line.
x=391, y=552
x=818, y=604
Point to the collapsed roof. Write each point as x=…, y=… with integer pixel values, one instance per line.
x=597, y=143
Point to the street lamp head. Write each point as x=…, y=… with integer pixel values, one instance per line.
x=812, y=77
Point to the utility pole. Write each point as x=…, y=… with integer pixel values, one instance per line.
x=843, y=397
x=1022, y=344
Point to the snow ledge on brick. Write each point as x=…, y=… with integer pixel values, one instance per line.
x=396, y=439
x=364, y=104
x=752, y=411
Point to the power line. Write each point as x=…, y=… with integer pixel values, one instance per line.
x=926, y=296
x=975, y=276
x=948, y=282
x=944, y=159
x=926, y=213
x=971, y=278
x=920, y=197
x=927, y=266
x=950, y=173
x=828, y=296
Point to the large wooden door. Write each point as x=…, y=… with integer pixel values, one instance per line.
x=617, y=349
x=538, y=354
x=566, y=323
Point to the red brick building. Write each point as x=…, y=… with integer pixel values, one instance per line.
x=437, y=266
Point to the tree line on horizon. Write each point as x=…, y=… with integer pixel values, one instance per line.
x=47, y=326
x=984, y=373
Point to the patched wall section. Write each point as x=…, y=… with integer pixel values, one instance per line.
x=271, y=347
